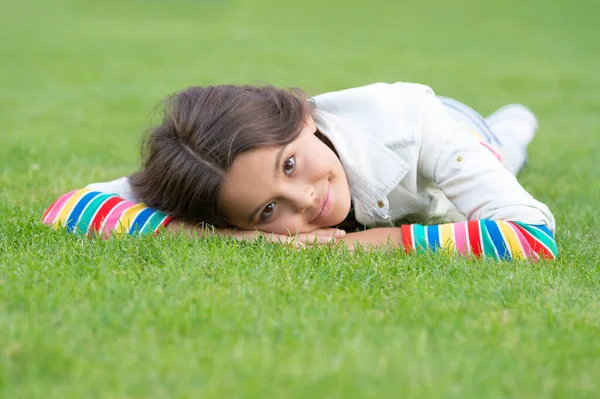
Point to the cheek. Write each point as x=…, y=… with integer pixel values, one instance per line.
x=330, y=161
x=322, y=162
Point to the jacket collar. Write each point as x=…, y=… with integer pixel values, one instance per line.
x=372, y=169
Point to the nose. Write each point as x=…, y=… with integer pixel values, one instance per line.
x=302, y=196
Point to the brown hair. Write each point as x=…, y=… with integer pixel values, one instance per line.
x=203, y=129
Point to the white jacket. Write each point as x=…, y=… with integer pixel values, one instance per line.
x=406, y=160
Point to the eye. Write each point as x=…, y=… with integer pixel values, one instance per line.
x=289, y=165
x=267, y=212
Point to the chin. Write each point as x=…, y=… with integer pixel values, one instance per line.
x=339, y=217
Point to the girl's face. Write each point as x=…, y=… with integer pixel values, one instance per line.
x=291, y=189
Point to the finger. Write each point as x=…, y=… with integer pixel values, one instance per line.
x=328, y=232
x=282, y=239
x=338, y=233
x=311, y=239
x=253, y=235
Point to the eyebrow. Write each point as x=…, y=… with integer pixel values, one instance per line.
x=252, y=215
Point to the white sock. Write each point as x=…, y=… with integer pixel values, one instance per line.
x=515, y=126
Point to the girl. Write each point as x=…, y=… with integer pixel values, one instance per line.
x=252, y=160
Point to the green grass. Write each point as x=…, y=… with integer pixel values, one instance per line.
x=176, y=318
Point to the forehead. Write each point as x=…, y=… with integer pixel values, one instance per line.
x=248, y=168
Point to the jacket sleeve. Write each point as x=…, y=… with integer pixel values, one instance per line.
x=88, y=212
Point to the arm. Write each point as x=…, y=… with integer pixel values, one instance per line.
x=381, y=237
x=497, y=240
x=505, y=221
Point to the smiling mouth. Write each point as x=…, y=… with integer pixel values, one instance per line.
x=325, y=205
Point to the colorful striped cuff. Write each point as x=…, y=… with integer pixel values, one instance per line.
x=494, y=239
x=85, y=212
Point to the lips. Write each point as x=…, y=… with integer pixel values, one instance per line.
x=325, y=205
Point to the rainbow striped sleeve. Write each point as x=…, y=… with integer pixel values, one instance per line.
x=85, y=212
x=493, y=239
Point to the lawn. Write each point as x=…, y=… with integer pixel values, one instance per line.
x=177, y=318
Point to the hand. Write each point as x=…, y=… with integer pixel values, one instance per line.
x=326, y=236
x=300, y=240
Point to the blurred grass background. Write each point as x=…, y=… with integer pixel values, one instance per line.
x=174, y=318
